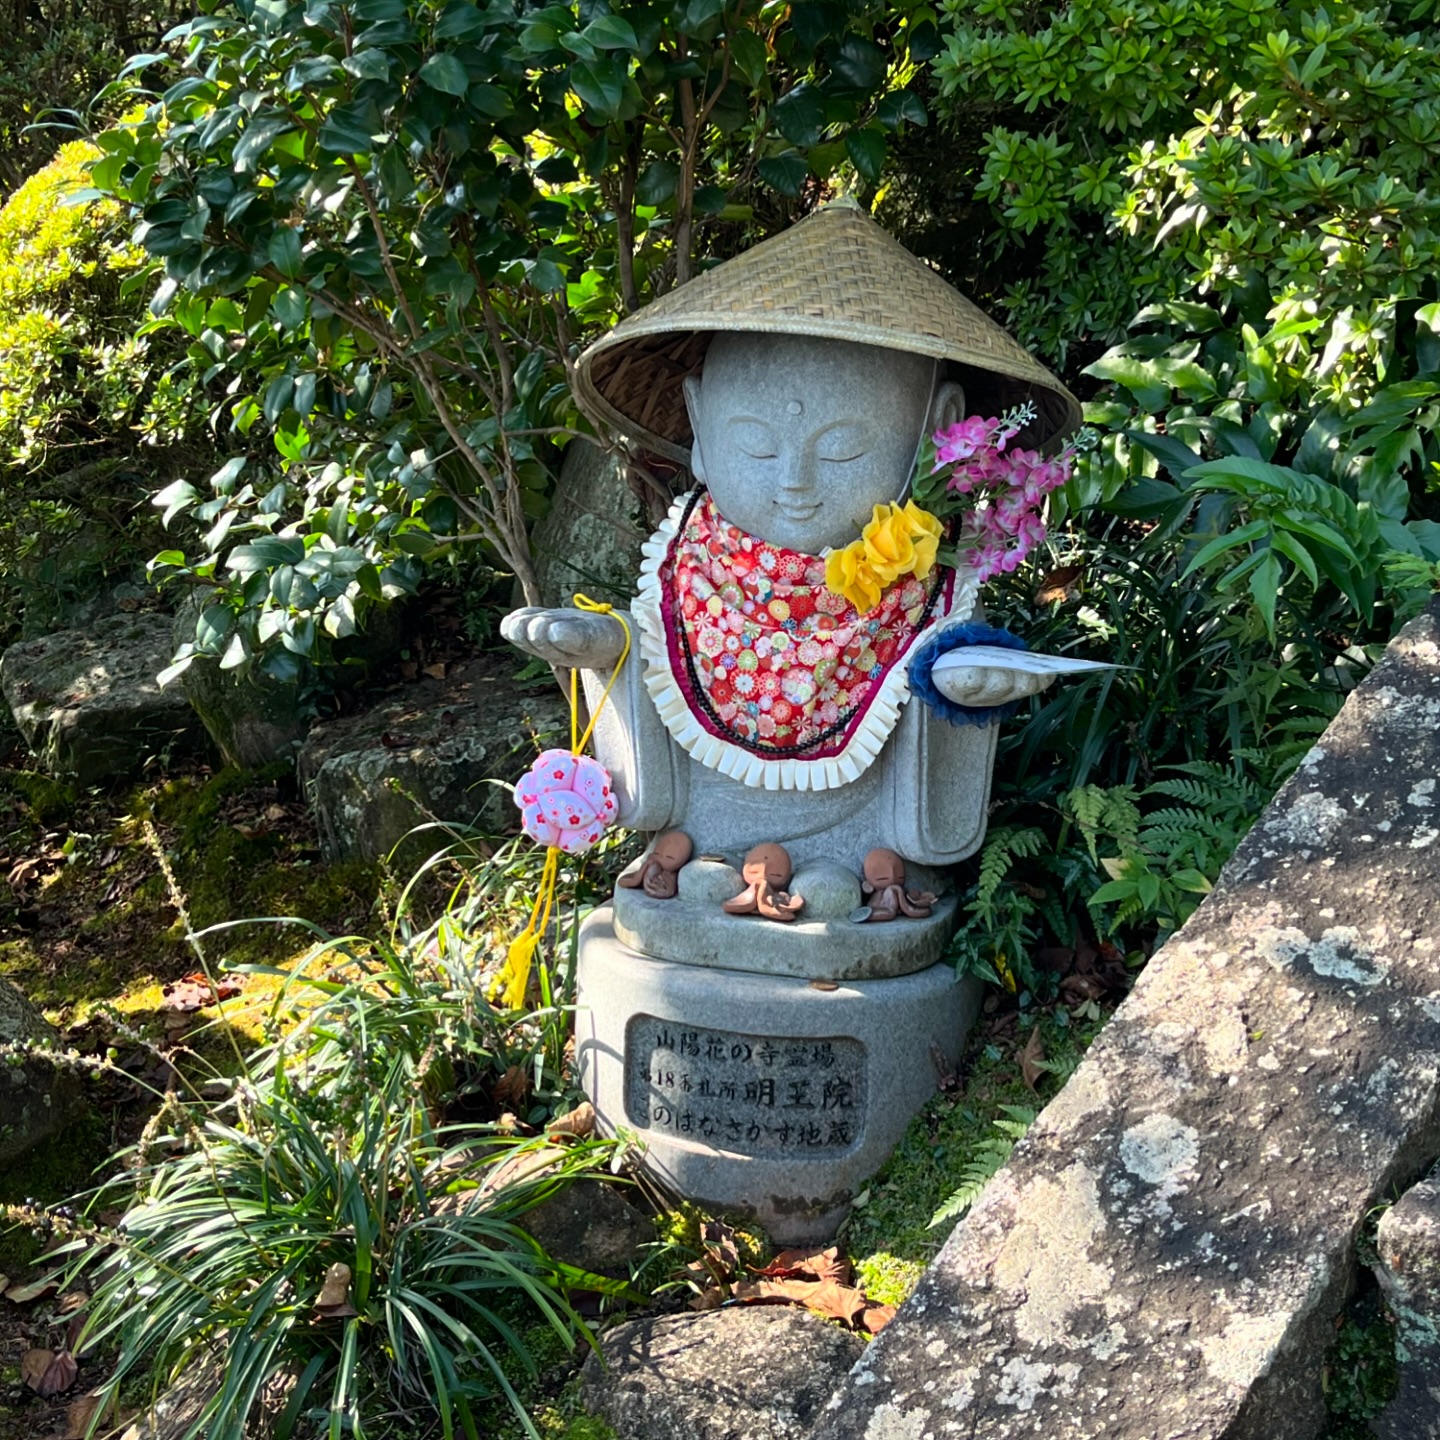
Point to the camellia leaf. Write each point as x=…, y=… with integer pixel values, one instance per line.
x=600, y=86
x=445, y=73
x=259, y=135
x=285, y=253
x=657, y=182
x=610, y=32
x=174, y=498
x=859, y=64
x=786, y=172
x=866, y=149
x=800, y=116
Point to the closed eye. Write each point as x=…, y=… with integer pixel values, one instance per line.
x=753, y=438
x=846, y=441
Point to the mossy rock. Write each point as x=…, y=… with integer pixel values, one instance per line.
x=431, y=753
x=38, y=1096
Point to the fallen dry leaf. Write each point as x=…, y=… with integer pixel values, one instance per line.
x=48, y=1373
x=824, y=1297
x=435, y=671
x=78, y=1415
x=1032, y=1058
x=876, y=1318
x=194, y=991
x=512, y=1089
x=71, y=1300
x=1061, y=584
x=24, y=1294
x=711, y=1299
x=34, y=1364
x=578, y=1122
x=814, y=1263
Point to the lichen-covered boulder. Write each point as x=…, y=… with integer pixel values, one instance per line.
x=760, y=1373
x=426, y=753
x=252, y=720
x=1408, y=1246
x=87, y=701
x=38, y=1098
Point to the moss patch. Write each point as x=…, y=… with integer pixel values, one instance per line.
x=96, y=926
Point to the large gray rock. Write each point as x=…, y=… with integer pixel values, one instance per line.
x=87, y=702
x=1409, y=1274
x=1167, y=1251
x=590, y=540
x=758, y=1373
x=253, y=721
x=429, y=751
x=38, y=1098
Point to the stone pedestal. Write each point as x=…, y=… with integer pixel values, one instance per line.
x=755, y=1092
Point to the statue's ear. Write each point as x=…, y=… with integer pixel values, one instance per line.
x=692, y=406
x=948, y=407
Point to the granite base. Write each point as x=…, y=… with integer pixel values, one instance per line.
x=758, y=1093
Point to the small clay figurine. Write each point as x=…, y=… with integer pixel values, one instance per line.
x=885, y=892
x=766, y=873
x=659, y=872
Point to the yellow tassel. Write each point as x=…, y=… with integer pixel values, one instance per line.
x=514, y=979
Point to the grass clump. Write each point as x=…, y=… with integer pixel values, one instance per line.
x=328, y=1239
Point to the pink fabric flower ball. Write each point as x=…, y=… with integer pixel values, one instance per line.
x=566, y=800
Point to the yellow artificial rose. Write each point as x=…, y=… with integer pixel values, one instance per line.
x=847, y=575
x=899, y=540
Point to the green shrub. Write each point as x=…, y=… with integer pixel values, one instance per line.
x=1138, y=153
x=385, y=228
x=88, y=411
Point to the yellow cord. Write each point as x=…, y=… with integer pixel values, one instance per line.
x=513, y=980
x=595, y=607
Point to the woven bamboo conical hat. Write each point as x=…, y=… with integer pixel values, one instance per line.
x=836, y=275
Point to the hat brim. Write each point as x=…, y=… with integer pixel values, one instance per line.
x=834, y=276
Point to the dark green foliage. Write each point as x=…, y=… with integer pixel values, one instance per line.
x=1360, y=1372
x=385, y=227
x=58, y=59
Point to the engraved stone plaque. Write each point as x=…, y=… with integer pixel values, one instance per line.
x=767, y=1095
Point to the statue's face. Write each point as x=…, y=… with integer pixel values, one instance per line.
x=799, y=439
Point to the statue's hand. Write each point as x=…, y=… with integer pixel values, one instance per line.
x=570, y=638
x=982, y=685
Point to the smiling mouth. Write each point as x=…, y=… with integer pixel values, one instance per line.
x=792, y=511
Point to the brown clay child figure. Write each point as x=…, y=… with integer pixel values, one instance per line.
x=659, y=873
x=766, y=873
x=885, y=892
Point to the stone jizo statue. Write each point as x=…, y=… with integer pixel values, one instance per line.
x=734, y=1011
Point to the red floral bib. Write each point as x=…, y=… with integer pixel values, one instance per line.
x=766, y=657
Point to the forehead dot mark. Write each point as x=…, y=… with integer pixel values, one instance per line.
x=794, y=408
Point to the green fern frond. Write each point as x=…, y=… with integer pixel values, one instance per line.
x=1004, y=846
x=990, y=1156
